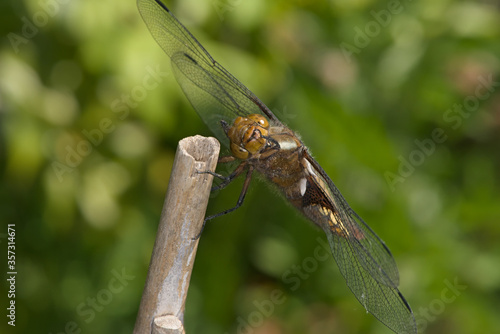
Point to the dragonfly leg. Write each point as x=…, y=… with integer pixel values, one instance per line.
x=246, y=184
x=225, y=179
x=217, y=175
x=222, y=160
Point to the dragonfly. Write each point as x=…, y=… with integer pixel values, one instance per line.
x=260, y=142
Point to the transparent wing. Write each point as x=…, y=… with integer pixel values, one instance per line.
x=214, y=93
x=365, y=262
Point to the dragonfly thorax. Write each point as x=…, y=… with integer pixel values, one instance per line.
x=248, y=135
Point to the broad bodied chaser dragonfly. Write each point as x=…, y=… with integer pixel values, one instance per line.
x=262, y=143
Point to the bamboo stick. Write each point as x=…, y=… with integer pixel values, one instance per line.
x=167, y=283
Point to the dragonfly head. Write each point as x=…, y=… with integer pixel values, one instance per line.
x=247, y=135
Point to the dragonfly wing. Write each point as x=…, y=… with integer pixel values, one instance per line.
x=205, y=93
x=369, y=249
x=214, y=93
x=385, y=302
x=365, y=261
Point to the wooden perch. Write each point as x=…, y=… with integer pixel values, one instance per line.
x=164, y=295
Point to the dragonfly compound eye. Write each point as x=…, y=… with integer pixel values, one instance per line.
x=260, y=120
x=239, y=152
x=247, y=135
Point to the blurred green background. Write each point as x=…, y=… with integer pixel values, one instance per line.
x=398, y=101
